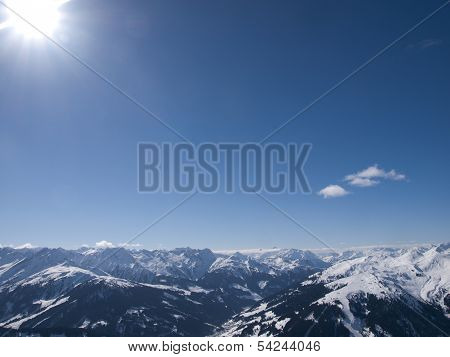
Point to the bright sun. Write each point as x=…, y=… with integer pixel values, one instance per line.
x=43, y=14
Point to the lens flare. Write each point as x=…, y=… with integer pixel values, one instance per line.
x=42, y=14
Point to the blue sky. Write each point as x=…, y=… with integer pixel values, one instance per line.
x=226, y=71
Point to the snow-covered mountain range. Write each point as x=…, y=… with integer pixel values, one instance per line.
x=367, y=292
x=192, y=292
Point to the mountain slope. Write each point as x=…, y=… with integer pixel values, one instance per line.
x=383, y=292
x=115, y=291
x=192, y=292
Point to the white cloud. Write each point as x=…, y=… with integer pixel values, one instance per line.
x=25, y=246
x=370, y=172
x=392, y=175
x=429, y=42
x=130, y=245
x=333, y=191
x=104, y=244
x=362, y=182
x=371, y=176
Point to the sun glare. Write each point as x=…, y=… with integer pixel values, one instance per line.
x=42, y=14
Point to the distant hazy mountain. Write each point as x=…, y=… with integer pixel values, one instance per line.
x=192, y=292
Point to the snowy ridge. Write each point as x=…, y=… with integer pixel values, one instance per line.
x=238, y=264
x=117, y=291
x=422, y=272
x=370, y=292
x=196, y=292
